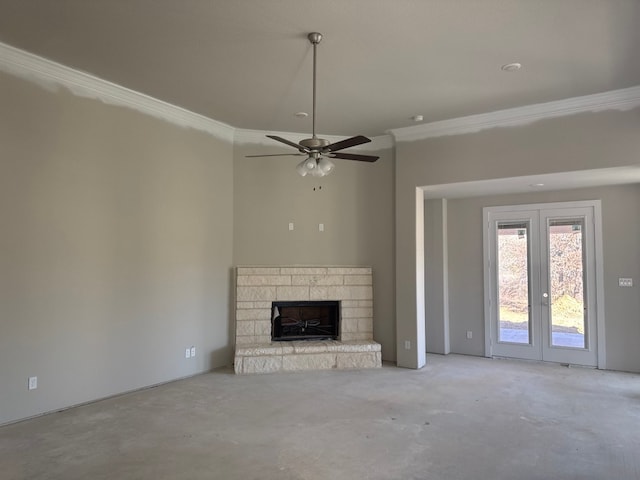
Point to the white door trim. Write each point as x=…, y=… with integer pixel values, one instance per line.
x=599, y=280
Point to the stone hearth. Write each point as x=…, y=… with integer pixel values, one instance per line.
x=257, y=287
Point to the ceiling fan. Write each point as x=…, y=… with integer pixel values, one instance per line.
x=318, y=150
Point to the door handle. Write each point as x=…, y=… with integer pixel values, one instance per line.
x=545, y=298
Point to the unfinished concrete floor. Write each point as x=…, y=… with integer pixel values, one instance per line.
x=458, y=418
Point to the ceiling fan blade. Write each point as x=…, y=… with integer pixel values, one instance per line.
x=349, y=142
x=290, y=143
x=278, y=155
x=353, y=156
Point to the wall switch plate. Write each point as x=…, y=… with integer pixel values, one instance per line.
x=33, y=383
x=469, y=334
x=625, y=282
x=321, y=227
x=187, y=353
x=291, y=226
x=193, y=351
x=407, y=345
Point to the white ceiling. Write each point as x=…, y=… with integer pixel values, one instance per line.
x=247, y=63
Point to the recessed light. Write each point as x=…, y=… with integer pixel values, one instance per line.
x=536, y=185
x=302, y=114
x=511, y=67
x=417, y=118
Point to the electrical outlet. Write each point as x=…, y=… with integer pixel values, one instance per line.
x=193, y=351
x=187, y=353
x=407, y=345
x=469, y=334
x=33, y=383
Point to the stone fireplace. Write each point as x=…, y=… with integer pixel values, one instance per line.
x=261, y=290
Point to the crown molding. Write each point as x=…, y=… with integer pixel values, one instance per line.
x=259, y=137
x=52, y=75
x=624, y=99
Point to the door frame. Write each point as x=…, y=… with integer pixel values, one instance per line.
x=596, y=205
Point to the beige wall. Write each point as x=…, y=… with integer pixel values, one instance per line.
x=355, y=204
x=585, y=141
x=436, y=276
x=115, y=252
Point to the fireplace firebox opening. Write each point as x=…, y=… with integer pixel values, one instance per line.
x=303, y=320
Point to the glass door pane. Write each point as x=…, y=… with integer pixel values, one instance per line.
x=513, y=282
x=566, y=283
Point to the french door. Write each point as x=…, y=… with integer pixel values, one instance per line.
x=540, y=278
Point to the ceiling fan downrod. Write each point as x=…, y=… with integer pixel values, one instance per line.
x=315, y=38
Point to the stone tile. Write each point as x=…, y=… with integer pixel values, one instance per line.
x=362, y=346
x=257, y=271
x=341, y=293
x=250, y=294
x=263, y=339
x=292, y=293
x=312, y=361
x=254, y=314
x=268, y=364
x=349, y=271
x=349, y=336
x=357, y=360
x=260, y=350
x=309, y=347
x=244, y=305
x=257, y=280
x=351, y=303
x=358, y=280
x=364, y=325
x=251, y=305
x=246, y=340
x=364, y=303
x=245, y=327
x=349, y=325
x=313, y=280
x=303, y=270
x=263, y=327
x=358, y=312
x=287, y=347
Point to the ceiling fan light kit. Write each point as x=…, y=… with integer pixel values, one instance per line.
x=318, y=150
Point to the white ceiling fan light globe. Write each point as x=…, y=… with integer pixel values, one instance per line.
x=310, y=164
x=316, y=172
x=325, y=165
x=301, y=168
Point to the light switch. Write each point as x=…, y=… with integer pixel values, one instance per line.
x=625, y=282
x=321, y=227
x=291, y=226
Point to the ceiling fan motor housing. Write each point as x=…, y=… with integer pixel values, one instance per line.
x=314, y=143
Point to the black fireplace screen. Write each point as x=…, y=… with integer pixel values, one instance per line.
x=305, y=320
